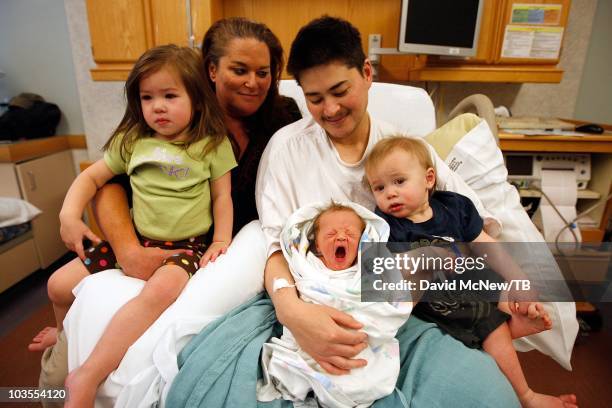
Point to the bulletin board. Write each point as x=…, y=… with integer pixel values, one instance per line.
x=534, y=31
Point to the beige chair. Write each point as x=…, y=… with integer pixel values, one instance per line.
x=482, y=106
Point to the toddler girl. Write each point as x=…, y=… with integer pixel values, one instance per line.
x=172, y=144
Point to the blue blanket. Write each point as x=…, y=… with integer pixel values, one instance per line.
x=220, y=366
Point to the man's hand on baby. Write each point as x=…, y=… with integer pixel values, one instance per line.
x=215, y=249
x=141, y=262
x=329, y=336
x=73, y=231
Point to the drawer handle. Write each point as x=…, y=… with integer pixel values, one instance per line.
x=32, y=180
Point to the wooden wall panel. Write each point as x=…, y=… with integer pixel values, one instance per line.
x=203, y=14
x=169, y=22
x=487, y=42
x=118, y=33
x=370, y=17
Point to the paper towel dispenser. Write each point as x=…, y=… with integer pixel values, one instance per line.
x=525, y=169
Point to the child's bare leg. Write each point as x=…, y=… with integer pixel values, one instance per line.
x=499, y=345
x=59, y=289
x=60, y=286
x=130, y=322
x=526, y=322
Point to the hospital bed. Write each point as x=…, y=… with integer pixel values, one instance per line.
x=466, y=142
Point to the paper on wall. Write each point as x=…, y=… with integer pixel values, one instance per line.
x=532, y=42
x=560, y=187
x=541, y=14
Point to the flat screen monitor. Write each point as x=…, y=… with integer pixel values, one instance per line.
x=440, y=27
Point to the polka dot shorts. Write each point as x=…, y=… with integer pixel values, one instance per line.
x=101, y=257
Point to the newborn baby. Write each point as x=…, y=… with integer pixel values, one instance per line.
x=321, y=245
x=337, y=231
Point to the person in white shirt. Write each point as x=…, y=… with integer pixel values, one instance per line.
x=321, y=158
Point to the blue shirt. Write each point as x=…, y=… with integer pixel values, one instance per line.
x=454, y=219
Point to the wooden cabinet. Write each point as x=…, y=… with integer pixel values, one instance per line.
x=121, y=30
x=44, y=183
x=39, y=171
x=18, y=259
x=509, y=25
x=370, y=17
x=118, y=33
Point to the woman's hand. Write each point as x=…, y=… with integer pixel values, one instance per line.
x=327, y=335
x=73, y=230
x=212, y=253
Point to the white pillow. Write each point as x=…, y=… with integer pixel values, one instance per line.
x=14, y=211
x=475, y=156
x=387, y=102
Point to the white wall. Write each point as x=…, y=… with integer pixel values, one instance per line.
x=102, y=102
x=594, y=102
x=555, y=100
x=35, y=54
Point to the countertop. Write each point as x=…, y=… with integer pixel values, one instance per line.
x=30, y=149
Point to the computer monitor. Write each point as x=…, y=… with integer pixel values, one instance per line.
x=440, y=27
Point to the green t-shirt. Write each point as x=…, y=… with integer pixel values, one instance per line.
x=171, y=189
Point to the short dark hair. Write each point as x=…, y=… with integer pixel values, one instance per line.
x=324, y=40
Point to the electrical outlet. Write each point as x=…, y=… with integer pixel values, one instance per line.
x=374, y=41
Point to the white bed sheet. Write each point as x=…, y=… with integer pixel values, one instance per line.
x=479, y=161
x=147, y=370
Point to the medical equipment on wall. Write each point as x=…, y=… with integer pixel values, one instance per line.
x=558, y=177
x=525, y=170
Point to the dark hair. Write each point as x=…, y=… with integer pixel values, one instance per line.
x=324, y=40
x=207, y=118
x=214, y=46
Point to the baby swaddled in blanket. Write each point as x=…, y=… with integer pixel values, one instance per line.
x=321, y=243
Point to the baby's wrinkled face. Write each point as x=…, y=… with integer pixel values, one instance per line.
x=337, y=239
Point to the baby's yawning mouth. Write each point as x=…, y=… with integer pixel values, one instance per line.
x=340, y=252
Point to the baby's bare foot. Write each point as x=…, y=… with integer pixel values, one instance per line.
x=80, y=391
x=45, y=338
x=535, y=400
x=533, y=320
